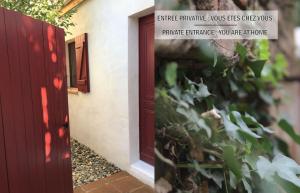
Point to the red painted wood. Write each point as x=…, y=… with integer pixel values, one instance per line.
x=3, y=166
x=34, y=31
x=4, y=186
x=36, y=181
x=64, y=113
x=19, y=142
x=8, y=98
x=53, y=82
x=147, y=81
x=33, y=102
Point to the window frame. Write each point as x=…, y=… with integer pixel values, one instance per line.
x=71, y=89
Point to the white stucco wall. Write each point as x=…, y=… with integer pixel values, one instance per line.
x=297, y=39
x=104, y=118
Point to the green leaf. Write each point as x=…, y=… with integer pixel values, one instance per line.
x=246, y=171
x=268, y=74
x=257, y=66
x=249, y=120
x=189, y=98
x=263, y=49
x=274, y=73
x=251, y=159
x=213, y=175
x=286, y=168
x=233, y=86
x=285, y=126
x=231, y=161
x=203, y=91
x=175, y=92
x=266, y=97
x=202, y=124
x=233, y=180
x=193, y=117
x=282, y=146
x=215, y=59
x=287, y=186
x=240, y=122
x=171, y=74
x=247, y=186
x=265, y=169
x=242, y=51
x=280, y=66
x=269, y=187
x=199, y=91
x=230, y=128
x=248, y=138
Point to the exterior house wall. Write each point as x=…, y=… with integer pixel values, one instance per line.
x=106, y=119
x=297, y=39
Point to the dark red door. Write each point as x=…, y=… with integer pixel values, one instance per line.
x=35, y=152
x=3, y=166
x=147, y=82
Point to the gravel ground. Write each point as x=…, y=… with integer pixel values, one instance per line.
x=88, y=166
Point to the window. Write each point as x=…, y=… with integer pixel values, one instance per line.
x=72, y=64
x=79, y=64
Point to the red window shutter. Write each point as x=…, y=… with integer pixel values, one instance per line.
x=82, y=63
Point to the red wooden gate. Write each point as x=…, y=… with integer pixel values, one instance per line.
x=34, y=133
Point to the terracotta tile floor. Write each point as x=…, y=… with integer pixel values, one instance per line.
x=121, y=182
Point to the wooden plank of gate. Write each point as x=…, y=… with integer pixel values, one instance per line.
x=11, y=142
x=52, y=168
x=64, y=114
x=60, y=91
x=34, y=31
x=19, y=140
x=4, y=60
x=3, y=166
x=29, y=125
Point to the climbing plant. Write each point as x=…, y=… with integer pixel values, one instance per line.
x=45, y=10
x=298, y=13
x=214, y=130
